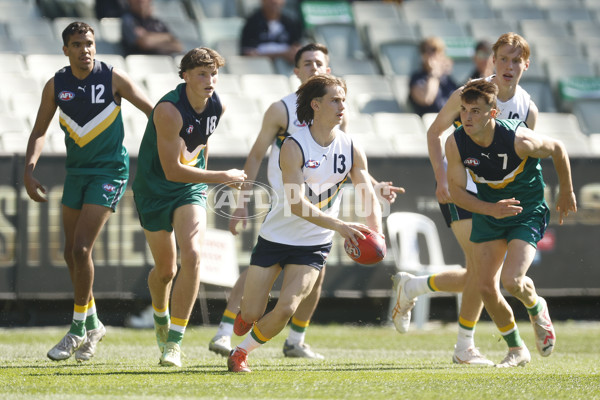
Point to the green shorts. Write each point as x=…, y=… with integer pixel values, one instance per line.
x=529, y=229
x=93, y=189
x=156, y=213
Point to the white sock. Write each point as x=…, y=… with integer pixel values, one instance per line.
x=249, y=344
x=225, y=329
x=465, y=338
x=417, y=286
x=295, y=337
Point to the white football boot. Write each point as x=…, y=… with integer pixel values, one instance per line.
x=518, y=357
x=171, y=357
x=471, y=356
x=220, y=345
x=404, y=305
x=300, y=350
x=88, y=349
x=545, y=337
x=66, y=347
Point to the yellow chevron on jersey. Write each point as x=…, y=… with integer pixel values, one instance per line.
x=82, y=135
x=505, y=181
x=325, y=203
x=191, y=159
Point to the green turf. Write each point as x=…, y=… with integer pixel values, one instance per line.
x=361, y=363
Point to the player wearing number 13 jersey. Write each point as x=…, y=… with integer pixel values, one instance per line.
x=296, y=234
x=324, y=171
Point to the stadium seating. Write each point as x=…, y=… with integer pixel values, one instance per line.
x=241, y=65
x=587, y=112
x=213, y=30
x=418, y=10
x=203, y=9
x=566, y=128
x=373, y=39
x=342, y=40
x=490, y=29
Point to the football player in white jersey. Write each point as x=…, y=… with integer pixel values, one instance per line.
x=296, y=235
x=280, y=121
x=511, y=59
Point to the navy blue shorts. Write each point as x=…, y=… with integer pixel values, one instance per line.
x=452, y=212
x=266, y=254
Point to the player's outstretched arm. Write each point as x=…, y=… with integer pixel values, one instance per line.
x=274, y=122
x=457, y=183
x=168, y=122
x=529, y=144
x=36, y=142
x=443, y=121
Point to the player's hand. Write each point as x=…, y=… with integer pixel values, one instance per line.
x=506, y=208
x=352, y=230
x=34, y=188
x=566, y=202
x=240, y=214
x=234, y=178
x=387, y=191
x=442, y=193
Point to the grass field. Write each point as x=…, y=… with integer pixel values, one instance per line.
x=361, y=363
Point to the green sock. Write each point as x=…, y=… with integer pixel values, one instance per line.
x=513, y=339
x=77, y=328
x=535, y=310
x=175, y=337
x=161, y=320
x=92, y=322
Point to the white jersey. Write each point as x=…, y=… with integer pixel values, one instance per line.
x=293, y=125
x=517, y=107
x=325, y=170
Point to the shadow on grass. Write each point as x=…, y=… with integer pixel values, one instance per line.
x=101, y=369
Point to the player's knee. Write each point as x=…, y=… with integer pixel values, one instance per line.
x=512, y=284
x=81, y=252
x=191, y=258
x=166, y=275
x=285, y=310
x=250, y=315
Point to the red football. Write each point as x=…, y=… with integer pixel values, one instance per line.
x=370, y=250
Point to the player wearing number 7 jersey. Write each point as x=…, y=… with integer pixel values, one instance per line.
x=510, y=213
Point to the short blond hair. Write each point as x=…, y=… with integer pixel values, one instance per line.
x=515, y=40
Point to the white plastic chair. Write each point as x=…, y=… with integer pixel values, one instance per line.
x=404, y=229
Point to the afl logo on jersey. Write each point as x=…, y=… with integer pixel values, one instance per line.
x=299, y=124
x=190, y=129
x=66, y=95
x=471, y=162
x=312, y=164
x=108, y=187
